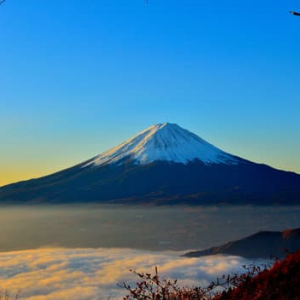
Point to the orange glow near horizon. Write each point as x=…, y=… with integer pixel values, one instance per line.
x=13, y=174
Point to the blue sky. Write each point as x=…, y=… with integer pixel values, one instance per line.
x=78, y=77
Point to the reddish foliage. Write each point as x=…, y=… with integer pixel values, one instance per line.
x=281, y=282
x=152, y=287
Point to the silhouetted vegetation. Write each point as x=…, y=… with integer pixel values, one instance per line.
x=295, y=13
x=281, y=281
x=5, y=295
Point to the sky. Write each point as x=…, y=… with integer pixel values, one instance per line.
x=79, y=77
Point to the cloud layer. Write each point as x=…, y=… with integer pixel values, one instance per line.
x=92, y=274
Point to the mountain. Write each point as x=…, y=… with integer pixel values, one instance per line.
x=164, y=142
x=263, y=244
x=164, y=164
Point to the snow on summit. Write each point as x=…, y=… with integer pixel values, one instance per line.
x=164, y=142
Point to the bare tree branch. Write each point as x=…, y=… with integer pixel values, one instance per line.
x=295, y=13
x=2, y=1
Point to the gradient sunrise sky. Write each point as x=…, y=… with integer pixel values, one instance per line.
x=78, y=77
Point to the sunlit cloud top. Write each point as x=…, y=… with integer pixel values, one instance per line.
x=92, y=274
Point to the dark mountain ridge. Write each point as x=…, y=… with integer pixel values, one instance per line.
x=263, y=244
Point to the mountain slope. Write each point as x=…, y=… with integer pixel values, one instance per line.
x=263, y=244
x=164, y=142
x=164, y=164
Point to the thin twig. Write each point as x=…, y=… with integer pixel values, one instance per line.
x=295, y=13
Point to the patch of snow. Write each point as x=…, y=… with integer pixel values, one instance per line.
x=164, y=142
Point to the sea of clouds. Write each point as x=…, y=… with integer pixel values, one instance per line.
x=93, y=274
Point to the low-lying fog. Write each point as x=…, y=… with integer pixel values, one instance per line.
x=148, y=228
x=96, y=237
x=93, y=274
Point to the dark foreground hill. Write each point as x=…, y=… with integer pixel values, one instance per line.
x=164, y=164
x=281, y=282
x=264, y=244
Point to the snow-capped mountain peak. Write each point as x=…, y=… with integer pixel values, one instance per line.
x=164, y=142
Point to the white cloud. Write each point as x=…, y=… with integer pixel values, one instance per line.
x=92, y=274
